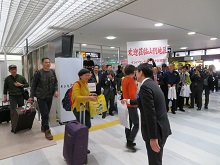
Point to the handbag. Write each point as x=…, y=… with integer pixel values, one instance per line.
x=98, y=107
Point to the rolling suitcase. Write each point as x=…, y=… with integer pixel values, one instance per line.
x=23, y=118
x=76, y=141
x=5, y=113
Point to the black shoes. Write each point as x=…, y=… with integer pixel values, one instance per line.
x=111, y=114
x=181, y=109
x=206, y=107
x=130, y=145
x=198, y=109
x=190, y=107
x=173, y=112
x=88, y=152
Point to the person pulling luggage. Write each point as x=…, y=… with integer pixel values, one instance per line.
x=14, y=86
x=44, y=87
x=82, y=95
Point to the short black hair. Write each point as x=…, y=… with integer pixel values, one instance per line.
x=129, y=69
x=146, y=69
x=164, y=65
x=111, y=72
x=185, y=67
x=97, y=66
x=82, y=72
x=45, y=58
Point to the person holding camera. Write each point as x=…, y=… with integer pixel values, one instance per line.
x=14, y=86
x=109, y=92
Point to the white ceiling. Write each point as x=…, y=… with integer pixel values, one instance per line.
x=131, y=23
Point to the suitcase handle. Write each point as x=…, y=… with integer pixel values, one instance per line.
x=84, y=114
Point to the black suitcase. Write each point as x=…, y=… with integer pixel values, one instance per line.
x=23, y=119
x=4, y=113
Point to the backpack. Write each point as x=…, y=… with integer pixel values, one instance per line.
x=67, y=100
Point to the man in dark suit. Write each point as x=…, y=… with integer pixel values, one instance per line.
x=197, y=79
x=155, y=126
x=109, y=92
x=96, y=76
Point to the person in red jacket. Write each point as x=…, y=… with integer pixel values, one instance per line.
x=129, y=90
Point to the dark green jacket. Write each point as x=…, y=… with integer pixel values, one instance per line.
x=10, y=88
x=44, y=84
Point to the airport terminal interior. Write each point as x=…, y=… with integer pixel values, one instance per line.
x=169, y=36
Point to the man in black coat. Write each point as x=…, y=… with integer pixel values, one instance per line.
x=155, y=126
x=197, y=79
x=97, y=77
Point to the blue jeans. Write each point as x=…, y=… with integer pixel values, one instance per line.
x=44, y=106
x=87, y=117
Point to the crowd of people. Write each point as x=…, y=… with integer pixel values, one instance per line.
x=146, y=87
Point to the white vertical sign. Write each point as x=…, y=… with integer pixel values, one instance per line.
x=141, y=51
x=67, y=73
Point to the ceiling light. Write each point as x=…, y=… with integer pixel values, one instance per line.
x=114, y=55
x=122, y=56
x=84, y=44
x=108, y=57
x=112, y=47
x=183, y=48
x=191, y=33
x=110, y=37
x=213, y=39
x=158, y=24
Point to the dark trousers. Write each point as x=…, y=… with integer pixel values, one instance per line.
x=110, y=97
x=87, y=117
x=181, y=102
x=153, y=157
x=187, y=100
x=216, y=84
x=134, y=124
x=165, y=92
x=196, y=95
x=45, y=106
x=173, y=104
x=207, y=92
x=15, y=101
x=178, y=97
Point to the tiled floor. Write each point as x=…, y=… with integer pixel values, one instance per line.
x=195, y=141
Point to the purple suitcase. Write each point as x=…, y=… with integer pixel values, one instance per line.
x=75, y=142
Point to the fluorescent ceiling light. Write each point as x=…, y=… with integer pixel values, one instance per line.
x=114, y=55
x=47, y=20
x=110, y=37
x=84, y=44
x=108, y=57
x=183, y=48
x=158, y=24
x=213, y=39
x=191, y=33
x=122, y=56
x=112, y=47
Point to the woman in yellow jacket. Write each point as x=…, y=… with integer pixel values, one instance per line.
x=81, y=94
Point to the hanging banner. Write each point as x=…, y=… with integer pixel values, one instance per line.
x=143, y=51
